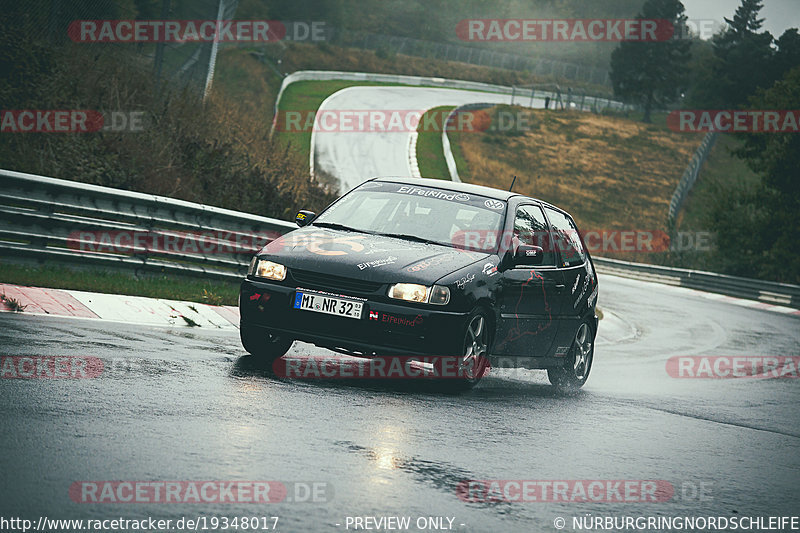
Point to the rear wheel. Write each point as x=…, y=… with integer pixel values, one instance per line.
x=575, y=372
x=262, y=344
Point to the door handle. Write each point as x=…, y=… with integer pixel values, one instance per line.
x=560, y=287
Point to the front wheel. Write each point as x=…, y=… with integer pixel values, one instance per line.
x=262, y=344
x=575, y=372
x=473, y=362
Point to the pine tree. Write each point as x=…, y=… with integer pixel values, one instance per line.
x=746, y=20
x=652, y=73
x=744, y=56
x=756, y=227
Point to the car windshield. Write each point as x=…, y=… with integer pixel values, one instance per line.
x=425, y=214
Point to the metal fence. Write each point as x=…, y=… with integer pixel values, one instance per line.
x=47, y=219
x=192, y=64
x=689, y=177
x=750, y=289
x=390, y=45
x=471, y=55
x=517, y=94
x=566, y=98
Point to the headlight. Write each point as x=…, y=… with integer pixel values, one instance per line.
x=411, y=292
x=261, y=268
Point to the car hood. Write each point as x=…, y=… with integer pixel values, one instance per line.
x=368, y=257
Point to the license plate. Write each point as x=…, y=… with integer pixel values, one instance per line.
x=309, y=301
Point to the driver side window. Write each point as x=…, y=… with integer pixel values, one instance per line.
x=530, y=227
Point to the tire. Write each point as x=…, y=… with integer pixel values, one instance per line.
x=473, y=350
x=575, y=371
x=259, y=343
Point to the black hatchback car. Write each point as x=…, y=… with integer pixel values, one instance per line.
x=423, y=267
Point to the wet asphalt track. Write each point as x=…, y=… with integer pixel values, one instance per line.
x=356, y=156
x=186, y=404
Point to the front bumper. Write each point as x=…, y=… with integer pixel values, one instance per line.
x=384, y=328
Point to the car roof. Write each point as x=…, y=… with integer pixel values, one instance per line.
x=452, y=186
x=489, y=192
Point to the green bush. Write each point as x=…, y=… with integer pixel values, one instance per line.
x=213, y=152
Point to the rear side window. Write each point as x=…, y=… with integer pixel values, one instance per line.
x=530, y=227
x=566, y=238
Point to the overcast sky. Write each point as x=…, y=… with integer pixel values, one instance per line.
x=778, y=14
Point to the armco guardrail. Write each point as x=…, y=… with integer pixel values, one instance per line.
x=750, y=289
x=690, y=176
x=59, y=220
x=52, y=219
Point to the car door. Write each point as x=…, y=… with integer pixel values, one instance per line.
x=531, y=296
x=578, y=275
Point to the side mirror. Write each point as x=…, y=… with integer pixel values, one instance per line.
x=527, y=254
x=304, y=218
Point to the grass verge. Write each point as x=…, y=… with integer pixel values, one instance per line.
x=153, y=286
x=251, y=78
x=430, y=156
x=610, y=172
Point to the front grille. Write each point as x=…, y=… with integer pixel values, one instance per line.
x=316, y=280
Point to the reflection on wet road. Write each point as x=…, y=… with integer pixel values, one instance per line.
x=186, y=404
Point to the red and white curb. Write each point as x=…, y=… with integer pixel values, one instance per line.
x=118, y=308
x=163, y=312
